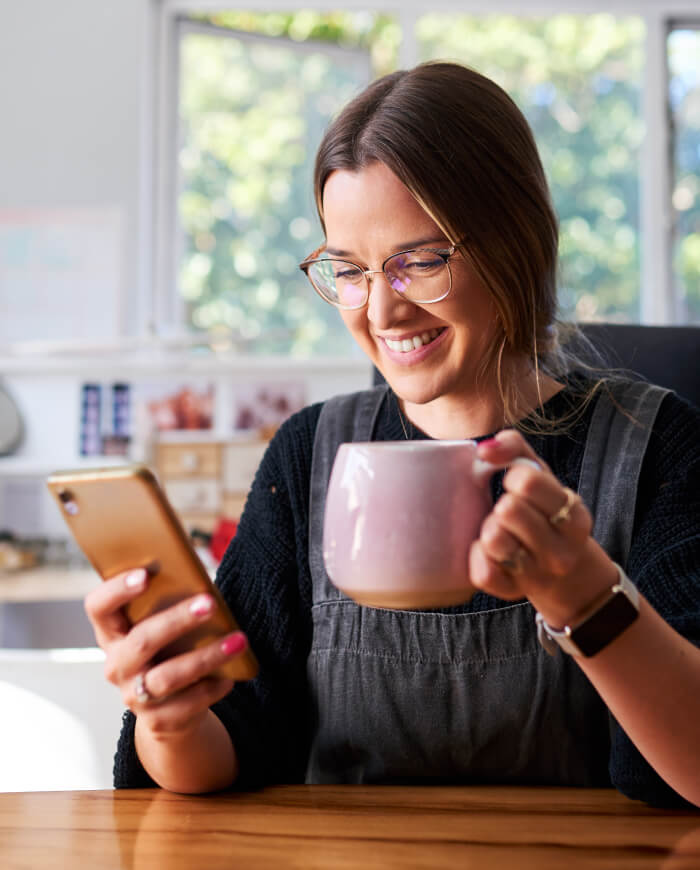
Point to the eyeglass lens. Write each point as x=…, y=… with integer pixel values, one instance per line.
x=421, y=276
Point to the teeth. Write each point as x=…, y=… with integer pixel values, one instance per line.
x=408, y=344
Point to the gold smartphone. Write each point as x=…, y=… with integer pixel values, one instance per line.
x=121, y=519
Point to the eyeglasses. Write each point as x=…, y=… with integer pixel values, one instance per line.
x=422, y=276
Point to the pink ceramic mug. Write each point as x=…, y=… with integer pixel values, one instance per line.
x=400, y=518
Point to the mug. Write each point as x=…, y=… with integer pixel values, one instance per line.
x=400, y=518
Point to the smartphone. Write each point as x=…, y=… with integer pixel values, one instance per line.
x=121, y=519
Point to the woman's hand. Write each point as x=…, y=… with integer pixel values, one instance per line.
x=536, y=542
x=173, y=696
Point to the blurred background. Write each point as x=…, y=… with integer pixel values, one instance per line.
x=155, y=200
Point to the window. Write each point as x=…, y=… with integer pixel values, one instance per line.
x=256, y=89
x=577, y=78
x=253, y=105
x=684, y=93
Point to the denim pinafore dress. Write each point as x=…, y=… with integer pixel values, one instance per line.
x=434, y=696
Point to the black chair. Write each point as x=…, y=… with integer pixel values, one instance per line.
x=665, y=355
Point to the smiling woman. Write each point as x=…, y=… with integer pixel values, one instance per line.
x=573, y=657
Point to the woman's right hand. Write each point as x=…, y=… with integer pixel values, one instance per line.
x=171, y=697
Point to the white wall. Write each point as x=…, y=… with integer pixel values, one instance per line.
x=74, y=78
x=76, y=132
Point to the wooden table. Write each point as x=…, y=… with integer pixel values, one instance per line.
x=347, y=827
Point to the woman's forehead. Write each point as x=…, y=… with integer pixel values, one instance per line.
x=371, y=205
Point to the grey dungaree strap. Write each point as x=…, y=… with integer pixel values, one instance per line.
x=612, y=461
x=468, y=696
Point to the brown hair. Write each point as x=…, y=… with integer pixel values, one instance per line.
x=465, y=151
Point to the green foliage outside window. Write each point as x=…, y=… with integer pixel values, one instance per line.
x=252, y=112
x=684, y=92
x=577, y=79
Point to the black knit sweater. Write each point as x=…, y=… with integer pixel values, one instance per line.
x=265, y=578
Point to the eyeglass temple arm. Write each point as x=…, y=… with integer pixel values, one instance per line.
x=312, y=256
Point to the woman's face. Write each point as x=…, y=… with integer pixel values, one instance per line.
x=369, y=215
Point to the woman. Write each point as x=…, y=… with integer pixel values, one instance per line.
x=440, y=254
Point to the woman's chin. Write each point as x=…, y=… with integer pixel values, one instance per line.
x=412, y=389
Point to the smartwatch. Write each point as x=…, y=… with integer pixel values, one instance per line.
x=599, y=628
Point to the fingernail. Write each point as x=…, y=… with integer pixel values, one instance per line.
x=530, y=463
x=202, y=605
x=233, y=644
x=136, y=578
x=488, y=442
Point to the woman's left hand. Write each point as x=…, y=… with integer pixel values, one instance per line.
x=536, y=542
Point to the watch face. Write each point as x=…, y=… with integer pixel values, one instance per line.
x=605, y=624
x=10, y=424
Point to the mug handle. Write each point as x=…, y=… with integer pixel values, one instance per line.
x=482, y=470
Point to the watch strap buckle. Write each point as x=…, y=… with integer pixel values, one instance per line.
x=547, y=642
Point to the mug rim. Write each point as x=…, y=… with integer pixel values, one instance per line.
x=417, y=445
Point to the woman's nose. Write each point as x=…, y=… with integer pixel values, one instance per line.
x=384, y=306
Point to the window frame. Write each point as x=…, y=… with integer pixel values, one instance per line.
x=658, y=304
x=674, y=219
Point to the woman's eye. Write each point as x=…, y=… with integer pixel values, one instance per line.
x=423, y=265
x=348, y=275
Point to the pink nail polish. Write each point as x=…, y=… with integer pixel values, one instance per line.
x=488, y=442
x=202, y=605
x=233, y=644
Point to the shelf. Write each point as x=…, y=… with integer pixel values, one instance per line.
x=17, y=466
x=135, y=365
x=47, y=584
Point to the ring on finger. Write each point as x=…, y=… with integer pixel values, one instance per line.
x=563, y=515
x=514, y=564
x=141, y=693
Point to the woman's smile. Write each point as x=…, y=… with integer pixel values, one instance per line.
x=410, y=348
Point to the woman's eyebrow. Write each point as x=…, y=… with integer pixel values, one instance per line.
x=405, y=246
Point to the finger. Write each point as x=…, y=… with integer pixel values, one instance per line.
x=563, y=515
x=506, y=446
x=499, y=544
x=103, y=604
x=544, y=492
x=172, y=676
x=490, y=577
x=133, y=653
x=551, y=551
x=177, y=712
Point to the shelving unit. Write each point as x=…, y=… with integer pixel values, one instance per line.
x=46, y=584
x=18, y=466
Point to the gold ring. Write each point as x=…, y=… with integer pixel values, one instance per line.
x=141, y=693
x=564, y=512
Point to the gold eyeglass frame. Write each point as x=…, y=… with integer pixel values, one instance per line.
x=444, y=253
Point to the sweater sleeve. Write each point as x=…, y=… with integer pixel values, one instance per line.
x=264, y=578
x=664, y=562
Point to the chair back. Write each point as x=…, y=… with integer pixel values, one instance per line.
x=665, y=355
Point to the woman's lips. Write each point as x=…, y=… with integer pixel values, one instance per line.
x=420, y=347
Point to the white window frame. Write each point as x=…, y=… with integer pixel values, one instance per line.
x=657, y=301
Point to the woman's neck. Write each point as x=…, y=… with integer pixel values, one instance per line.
x=481, y=411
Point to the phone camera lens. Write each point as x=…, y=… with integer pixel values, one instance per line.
x=70, y=506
